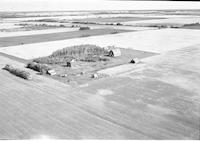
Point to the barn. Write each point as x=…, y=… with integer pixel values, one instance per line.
x=114, y=53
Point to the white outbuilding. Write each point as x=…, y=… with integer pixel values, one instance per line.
x=114, y=52
x=51, y=72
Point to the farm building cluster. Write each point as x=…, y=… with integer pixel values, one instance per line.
x=77, y=61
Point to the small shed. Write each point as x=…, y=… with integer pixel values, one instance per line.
x=95, y=76
x=51, y=72
x=69, y=64
x=114, y=53
x=135, y=61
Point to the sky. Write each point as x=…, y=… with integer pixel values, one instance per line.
x=65, y=5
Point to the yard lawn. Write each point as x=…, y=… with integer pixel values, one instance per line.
x=19, y=40
x=89, y=68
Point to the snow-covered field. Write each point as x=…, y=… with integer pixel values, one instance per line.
x=8, y=25
x=70, y=17
x=47, y=23
x=35, y=32
x=135, y=28
x=157, y=41
x=53, y=13
x=179, y=21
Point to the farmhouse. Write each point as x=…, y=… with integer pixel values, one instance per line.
x=114, y=53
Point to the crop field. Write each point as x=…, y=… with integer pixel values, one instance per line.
x=133, y=28
x=78, y=17
x=151, y=41
x=7, y=26
x=86, y=93
x=100, y=107
x=12, y=41
x=14, y=58
x=36, y=32
x=116, y=19
x=192, y=26
x=169, y=21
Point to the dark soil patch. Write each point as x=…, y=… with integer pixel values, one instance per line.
x=194, y=26
x=12, y=41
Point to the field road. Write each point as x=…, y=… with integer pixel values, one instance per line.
x=158, y=101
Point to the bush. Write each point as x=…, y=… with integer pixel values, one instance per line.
x=114, y=32
x=118, y=24
x=46, y=20
x=84, y=28
x=43, y=68
x=62, y=25
x=85, y=35
x=18, y=72
x=94, y=59
x=104, y=59
x=192, y=24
